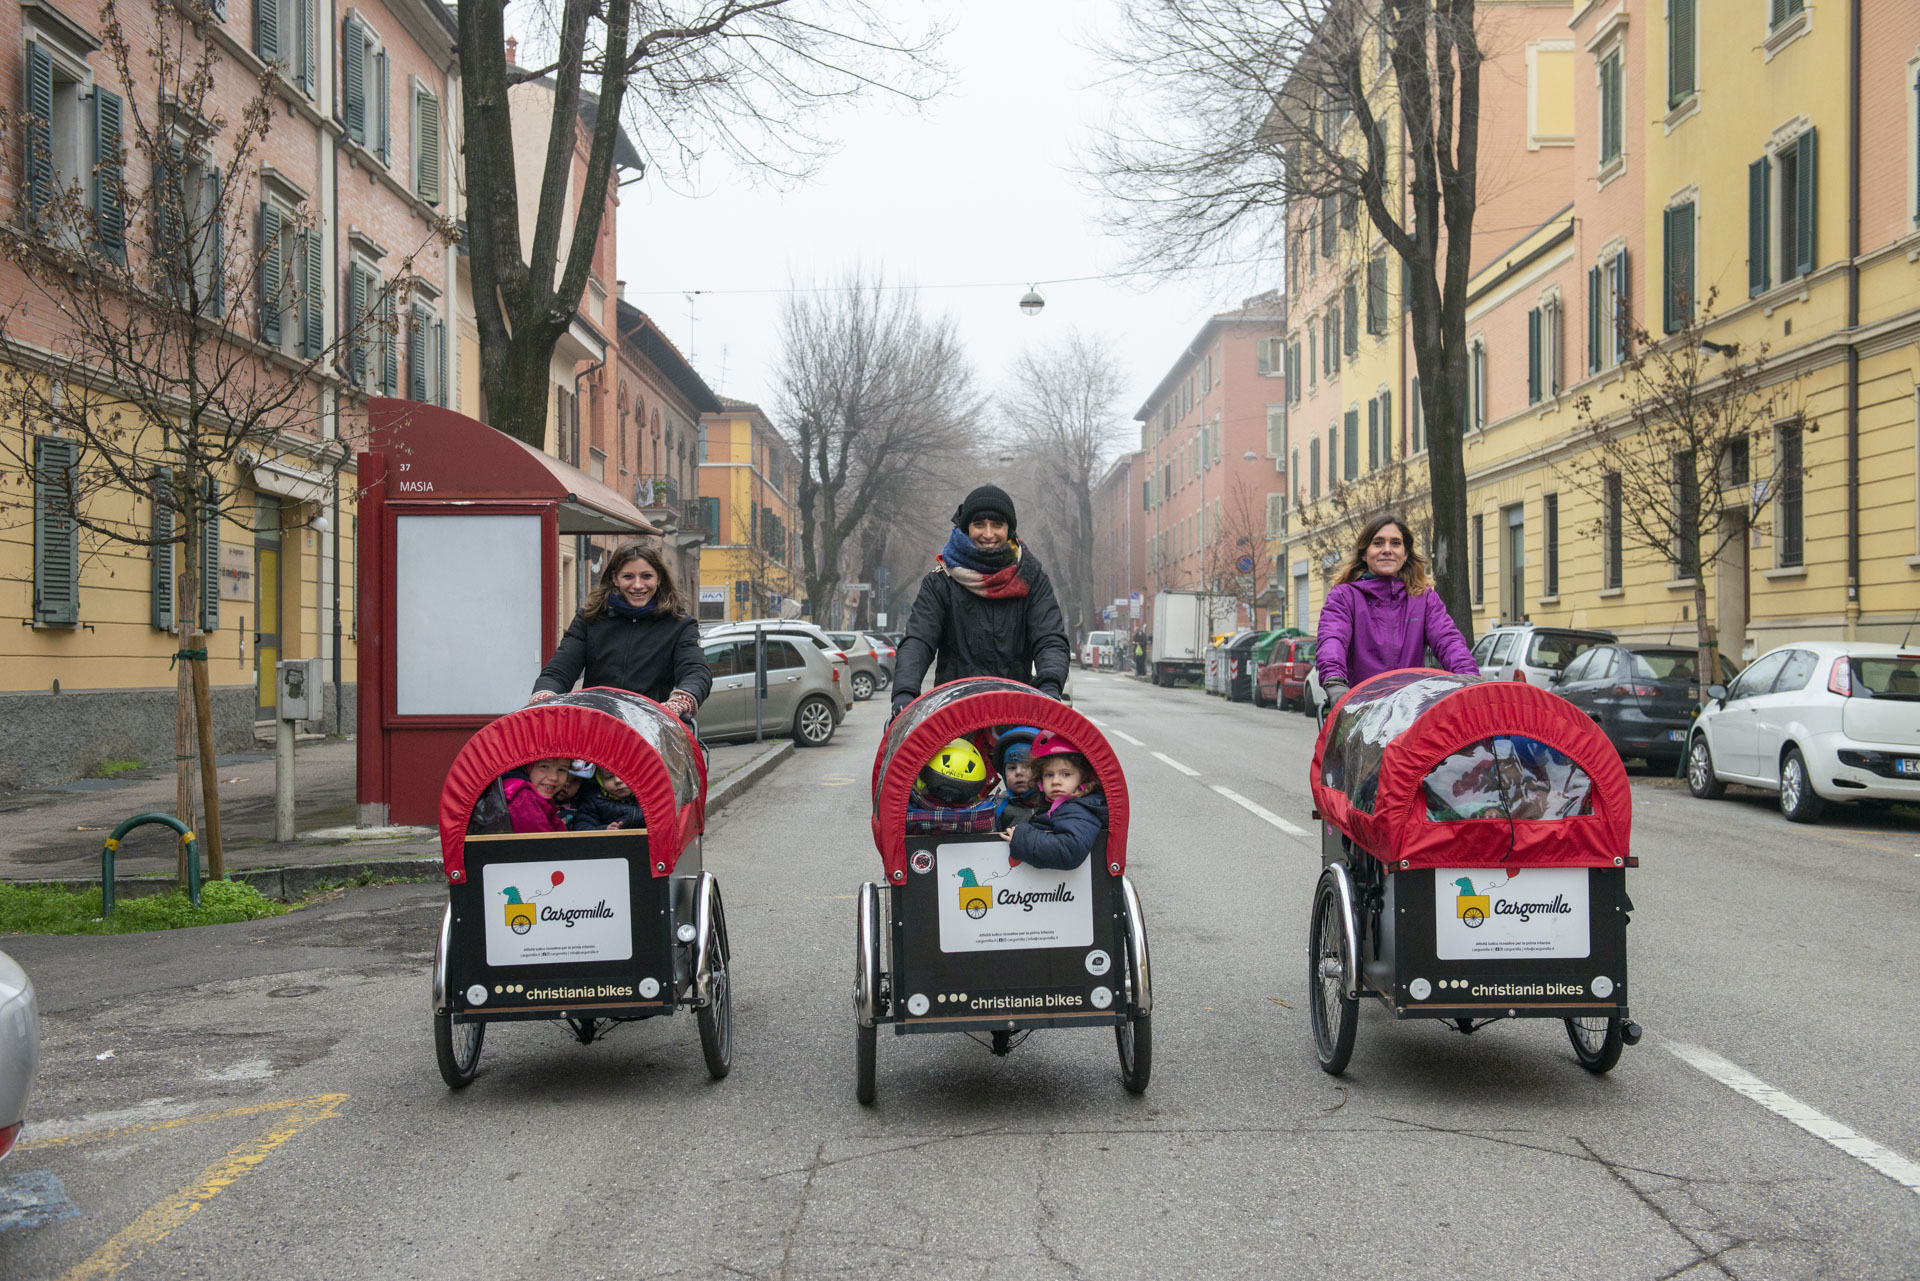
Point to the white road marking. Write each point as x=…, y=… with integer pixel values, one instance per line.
x=1259, y=811
x=1168, y=760
x=1736, y=1078
x=1120, y=733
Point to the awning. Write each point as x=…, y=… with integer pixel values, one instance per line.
x=443, y=455
x=277, y=476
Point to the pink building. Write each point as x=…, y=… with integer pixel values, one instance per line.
x=1212, y=439
x=1120, y=539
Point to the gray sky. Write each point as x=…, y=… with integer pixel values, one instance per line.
x=977, y=188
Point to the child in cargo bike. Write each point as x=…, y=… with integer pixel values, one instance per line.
x=1076, y=813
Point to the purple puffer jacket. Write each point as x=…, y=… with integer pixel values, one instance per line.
x=1372, y=625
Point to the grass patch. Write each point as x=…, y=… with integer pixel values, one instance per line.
x=107, y=769
x=53, y=909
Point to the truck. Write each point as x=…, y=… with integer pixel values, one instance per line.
x=1184, y=624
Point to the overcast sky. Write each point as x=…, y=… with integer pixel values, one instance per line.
x=978, y=189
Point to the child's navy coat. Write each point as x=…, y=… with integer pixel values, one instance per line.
x=1063, y=839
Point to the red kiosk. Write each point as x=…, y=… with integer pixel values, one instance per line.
x=459, y=590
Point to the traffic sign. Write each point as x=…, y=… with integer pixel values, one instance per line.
x=1245, y=565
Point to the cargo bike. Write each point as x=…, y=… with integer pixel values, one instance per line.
x=958, y=939
x=1474, y=850
x=591, y=929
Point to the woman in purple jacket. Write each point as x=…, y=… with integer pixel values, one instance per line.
x=1383, y=614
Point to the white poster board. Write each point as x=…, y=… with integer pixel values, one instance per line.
x=987, y=906
x=466, y=614
x=1483, y=912
x=567, y=910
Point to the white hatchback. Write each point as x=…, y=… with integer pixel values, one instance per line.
x=1815, y=721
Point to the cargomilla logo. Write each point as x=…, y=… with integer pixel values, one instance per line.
x=520, y=911
x=975, y=899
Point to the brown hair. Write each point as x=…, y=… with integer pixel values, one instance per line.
x=666, y=597
x=1413, y=573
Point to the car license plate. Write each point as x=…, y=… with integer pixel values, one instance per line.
x=1907, y=765
x=1676, y=736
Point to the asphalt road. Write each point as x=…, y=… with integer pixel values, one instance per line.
x=271, y=1107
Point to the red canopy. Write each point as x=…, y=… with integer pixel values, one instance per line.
x=630, y=736
x=1395, y=731
x=959, y=709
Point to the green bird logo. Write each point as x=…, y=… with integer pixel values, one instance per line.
x=1466, y=887
x=966, y=879
x=513, y=894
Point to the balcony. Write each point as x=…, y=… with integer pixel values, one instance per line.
x=659, y=498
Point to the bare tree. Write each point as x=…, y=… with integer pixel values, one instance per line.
x=1063, y=420
x=874, y=395
x=739, y=78
x=166, y=334
x=1328, y=527
x=1691, y=464
x=1246, y=109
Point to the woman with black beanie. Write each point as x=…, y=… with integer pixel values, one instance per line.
x=987, y=609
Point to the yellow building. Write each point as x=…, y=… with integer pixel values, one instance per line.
x=750, y=563
x=1713, y=173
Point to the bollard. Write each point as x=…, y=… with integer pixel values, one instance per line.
x=113, y=843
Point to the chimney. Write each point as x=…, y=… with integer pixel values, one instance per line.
x=620, y=287
x=512, y=44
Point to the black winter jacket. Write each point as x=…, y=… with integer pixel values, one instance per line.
x=1063, y=839
x=653, y=655
x=1020, y=638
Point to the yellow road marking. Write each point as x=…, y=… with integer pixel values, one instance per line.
x=151, y=1228
x=1869, y=845
x=172, y=1123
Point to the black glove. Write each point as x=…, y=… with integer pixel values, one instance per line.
x=1335, y=691
x=1051, y=691
x=901, y=700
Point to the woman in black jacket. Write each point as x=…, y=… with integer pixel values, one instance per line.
x=988, y=610
x=632, y=634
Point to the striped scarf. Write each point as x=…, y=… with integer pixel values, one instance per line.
x=994, y=575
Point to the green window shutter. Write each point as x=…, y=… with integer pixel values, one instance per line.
x=1679, y=291
x=1533, y=356
x=217, y=245
x=1351, y=454
x=313, y=300
x=1680, y=51
x=1351, y=300
x=209, y=556
x=1622, y=306
x=1594, y=289
x=39, y=130
x=417, y=332
x=1418, y=414
x=1779, y=13
x=440, y=361
x=1262, y=356
x=1373, y=435
x=56, y=535
x=109, y=198
x=163, y=549
x=266, y=30
x=389, y=349
x=383, y=85
x=357, y=326
x=1806, y=205
x=1668, y=283
x=173, y=222
x=309, y=59
x=273, y=274
x=1386, y=426
x=353, y=79
x=427, y=109
x=1759, y=234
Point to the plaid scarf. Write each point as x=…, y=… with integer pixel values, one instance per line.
x=994, y=575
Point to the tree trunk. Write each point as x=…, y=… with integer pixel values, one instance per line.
x=1704, y=635
x=515, y=390
x=209, y=773
x=183, y=731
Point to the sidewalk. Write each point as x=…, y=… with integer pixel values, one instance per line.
x=55, y=833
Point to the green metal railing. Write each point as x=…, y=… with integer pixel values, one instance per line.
x=142, y=820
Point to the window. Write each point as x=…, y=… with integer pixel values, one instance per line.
x=1758, y=679
x=373, y=358
x=161, y=552
x=191, y=234
x=1502, y=644
x=1479, y=559
x=1386, y=426
x=1611, y=534
x=1333, y=341
x=1789, y=515
x=1313, y=364
x=1419, y=415
x=1329, y=233
x=1313, y=259
x=56, y=534
x=1686, y=512
x=426, y=356
x=1782, y=193
x=1780, y=11
x=74, y=139
x=292, y=283
x=1550, y=531
x=1349, y=208
x=1269, y=356
x=1352, y=455
x=1676, y=297
x=1543, y=351
x=1609, y=314
x=1293, y=472
x=426, y=144
x=1313, y=468
x=1377, y=294
x=722, y=659
x=1796, y=672
x=1682, y=29
x=1477, y=385
x=1373, y=435
x=1351, y=299
x=1333, y=454
x=365, y=96
x=284, y=33
x=1612, y=107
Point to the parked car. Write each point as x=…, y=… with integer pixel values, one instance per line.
x=805, y=631
x=1816, y=722
x=19, y=1049
x=803, y=690
x=1313, y=694
x=1097, y=651
x=1641, y=696
x=867, y=673
x=889, y=656
x=1535, y=650
x=1282, y=679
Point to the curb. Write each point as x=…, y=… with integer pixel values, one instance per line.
x=742, y=780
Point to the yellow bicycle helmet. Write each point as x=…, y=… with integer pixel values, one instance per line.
x=956, y=775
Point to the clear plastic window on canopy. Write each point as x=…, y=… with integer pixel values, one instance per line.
x=1510, y=778
x=1371, y=718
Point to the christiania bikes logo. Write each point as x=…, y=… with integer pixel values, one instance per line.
x=523, y=910
x=976, y=900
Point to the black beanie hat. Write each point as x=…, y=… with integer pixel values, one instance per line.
x=988, y=500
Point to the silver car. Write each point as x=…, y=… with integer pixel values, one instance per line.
x=802, y=690
x=799, y=629
x=889, y=656
x=867, y=675
x=1536, y=653
x=19, y=1049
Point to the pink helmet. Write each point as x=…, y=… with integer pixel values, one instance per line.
x=1052, y=744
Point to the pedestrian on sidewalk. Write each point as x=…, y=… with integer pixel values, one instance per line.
x=1139, y=653
x=987, y=609
x=1383, y=615
x=633, y=633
